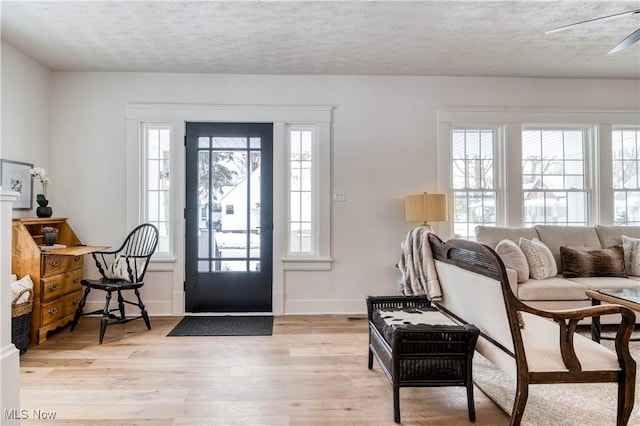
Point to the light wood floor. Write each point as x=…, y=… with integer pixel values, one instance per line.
x=312, y=371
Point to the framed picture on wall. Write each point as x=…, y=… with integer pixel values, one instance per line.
x=17, y=177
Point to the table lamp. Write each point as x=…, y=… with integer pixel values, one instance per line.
x=425, y=208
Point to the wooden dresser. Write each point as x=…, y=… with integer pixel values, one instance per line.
x=56, y=273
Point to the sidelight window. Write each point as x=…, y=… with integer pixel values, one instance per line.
x=301, y=190
x=157, y=181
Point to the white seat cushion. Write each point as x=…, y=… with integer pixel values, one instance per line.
x=555, y=288
x=541, y=339
x=598, y=283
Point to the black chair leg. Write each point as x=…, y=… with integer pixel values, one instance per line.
x=370, y=364
x=78, y=314
x=105, y=316
x=121, y=304
x=143, y=310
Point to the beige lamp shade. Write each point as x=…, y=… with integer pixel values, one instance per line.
x=425, y=208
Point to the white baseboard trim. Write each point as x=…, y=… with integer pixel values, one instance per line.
x=318, y=307
x=291, y=307
x=178, y=303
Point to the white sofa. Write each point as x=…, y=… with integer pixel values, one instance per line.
x=559, y=292
x=533, y=345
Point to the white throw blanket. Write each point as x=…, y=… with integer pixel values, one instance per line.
x=416, y=264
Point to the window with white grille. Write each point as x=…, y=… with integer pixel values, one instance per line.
x=301, y=192
x=157, y=182
x=626, y=183
x=553, y=177
x=473, y=173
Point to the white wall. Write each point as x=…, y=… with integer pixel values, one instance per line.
x=26, y=120
x=384, y=141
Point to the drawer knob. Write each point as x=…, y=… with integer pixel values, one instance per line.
x=53, y=287
x=55, y=263
x=75, y=280
x=77, y=258
x=53, y=311
x=75, y=302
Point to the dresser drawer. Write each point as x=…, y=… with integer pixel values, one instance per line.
x=71, y=302
x=52, y=311
x=60, y=284
x=54, y=264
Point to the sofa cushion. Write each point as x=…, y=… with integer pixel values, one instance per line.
x=556, y=288
x=513, y=257
x=612, y=235
x=598, y=283
x=607, y=262
x=567, y=236
x=541, y=262
x=492, y=235
x=540, y=340
x=631, y=248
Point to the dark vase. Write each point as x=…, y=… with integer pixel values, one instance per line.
x=50, y=238
x=44, y=212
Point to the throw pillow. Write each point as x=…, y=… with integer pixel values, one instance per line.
x=513, y=257
x=631, y=248
x=19, y=285
x=608, y=262
x=542, y=265
x=119, y=269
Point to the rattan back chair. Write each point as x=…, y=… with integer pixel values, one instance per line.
x=120, y=270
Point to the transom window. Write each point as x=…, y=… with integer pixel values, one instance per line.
x=553, y=177
x=626, y=182
x=474, y=194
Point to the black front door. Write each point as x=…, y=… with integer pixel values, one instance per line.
x=229, y=217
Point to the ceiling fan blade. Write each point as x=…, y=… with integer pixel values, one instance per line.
x=590, y=21
x=628, y=41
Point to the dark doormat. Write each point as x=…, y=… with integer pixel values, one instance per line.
x=227, y=325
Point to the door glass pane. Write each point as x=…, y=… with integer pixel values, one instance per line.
x=229, y=142
x=233, y=265
x=203, y=142
x=229, y=204
x=205, y=213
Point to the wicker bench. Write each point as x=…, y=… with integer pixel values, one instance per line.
x=414, y=353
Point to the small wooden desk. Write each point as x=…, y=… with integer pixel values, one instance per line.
x=629, y=297
x=56, y=272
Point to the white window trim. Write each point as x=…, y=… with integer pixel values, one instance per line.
x=280, y=116
x=320, y=258
x=511, y=120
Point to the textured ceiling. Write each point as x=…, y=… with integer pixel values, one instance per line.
x=479, y=38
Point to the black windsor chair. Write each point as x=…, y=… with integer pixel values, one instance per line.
x=121, y=269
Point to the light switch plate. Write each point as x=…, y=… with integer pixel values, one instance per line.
x=340, y=195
